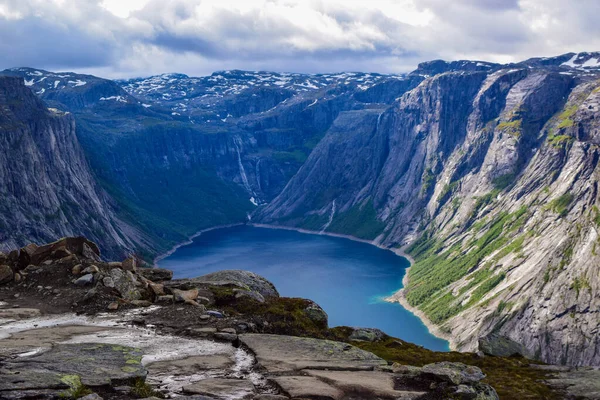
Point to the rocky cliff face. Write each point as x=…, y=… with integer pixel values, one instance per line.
x=46, y=185
x=489, y=174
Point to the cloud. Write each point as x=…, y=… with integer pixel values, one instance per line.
x=118, y=38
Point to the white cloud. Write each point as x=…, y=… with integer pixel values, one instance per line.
x=141, y=37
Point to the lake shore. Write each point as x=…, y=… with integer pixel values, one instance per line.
x=399, y=296
x=190, y=240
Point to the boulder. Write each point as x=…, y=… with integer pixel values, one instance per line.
x=497, y=345
x=225, y=336
x=165, y=299
x=115, y=264
x=86, y=279
x=108, y=282
x=452, y=380
x=26, y=255
x=316, y=314
x=66, y=246
x=242, y=279
x=124, y=283
x=156, y=274
x=92, y=269
x=454, y=372
x=157, y=288
x=129, y=264
x=182, y=296
x=6, y=274
x=366, y=334
x=76, y=270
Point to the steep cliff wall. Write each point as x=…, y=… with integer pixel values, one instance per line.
x=491, y=179
x=46, y=185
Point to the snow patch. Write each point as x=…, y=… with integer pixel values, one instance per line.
x=116, y=98
x=78, y=82
x=28, y=83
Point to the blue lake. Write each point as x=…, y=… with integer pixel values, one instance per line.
x=348, y=279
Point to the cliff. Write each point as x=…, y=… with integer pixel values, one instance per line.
x=489, y=175
x=47, y=188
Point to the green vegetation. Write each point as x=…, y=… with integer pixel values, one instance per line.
x=513, y=128
x=484, y=288
x=437, y=267
x=560, y=205
x=596, y=216
x=484, y=200
x=76, y=388
x=560, y=141
x=142, y=390
x=504, y=305
x=447, y=191
x=428, y=180
x=503, y=181
x=360, y=221
x=579, y=283
x=565, y=119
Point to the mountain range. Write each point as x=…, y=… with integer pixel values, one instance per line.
x=485, y=174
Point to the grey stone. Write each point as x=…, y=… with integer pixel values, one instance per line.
x=227, y=337
x=222, y=388
x=92, y=269
x=497, y=345
x=156, y=274
x=96, y=364
x=84, y=280
x=92, y=396
x=366, y=334
x=288, y=353
x=6, y=274
x=125, y=284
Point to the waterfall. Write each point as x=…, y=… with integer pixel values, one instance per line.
x=237, y=142
x=330, y=217
x=378, y=120
x=258, y=174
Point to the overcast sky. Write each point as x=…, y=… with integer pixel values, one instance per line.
x=126, y=38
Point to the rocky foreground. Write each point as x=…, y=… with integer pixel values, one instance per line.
x=73, y=326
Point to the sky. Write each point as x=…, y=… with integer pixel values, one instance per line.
x=131, y=38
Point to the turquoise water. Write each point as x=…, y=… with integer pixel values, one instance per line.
x=348, y=279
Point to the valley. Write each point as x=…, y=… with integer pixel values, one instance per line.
x=486, y=174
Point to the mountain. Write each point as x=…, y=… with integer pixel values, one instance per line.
x=174, y=171
x=484, y=173
x=48, y=190
x=490, y=179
